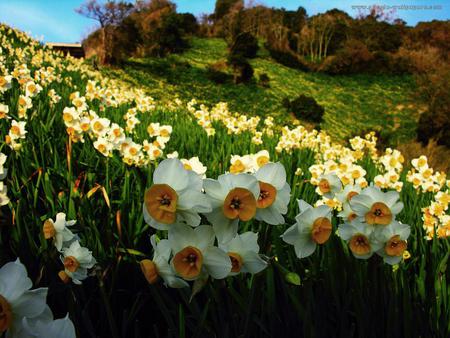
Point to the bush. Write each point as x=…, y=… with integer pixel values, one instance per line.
x=264, y=80
x=288, y=59
x=242, y=69
x=354, y=57
x=434, y=124
x=244, y=44
x=216, y=72
x=305, y=108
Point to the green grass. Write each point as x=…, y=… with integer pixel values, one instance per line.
x=356, y=103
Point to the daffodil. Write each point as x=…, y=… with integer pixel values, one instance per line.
x=3, y=170
x=49, y=328
x=17, y=301
x=174, y=197
x=376, y=207
x=4, y=110
x=243, y=251
x=393, y=241
x=274, y=193
x=58, y=230
x=348, y=193
x=359, y=237
x=4, y=199
x=233, y=198
x=313, y=226
x=194, y=253
x=347, y=213
x=77, y=260
x=159, y=266
x=195, y=165
x=329, y=185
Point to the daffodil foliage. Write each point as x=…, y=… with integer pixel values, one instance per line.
x=126, y=216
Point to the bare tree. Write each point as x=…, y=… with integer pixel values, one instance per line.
x=109, y=15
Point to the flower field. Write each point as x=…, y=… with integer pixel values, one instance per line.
x=123, y=216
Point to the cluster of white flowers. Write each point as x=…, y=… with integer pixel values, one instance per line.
x=192, y=163
x=391, y=166
x=174, y=203
x=249, y=163
x=108, y=136
x=369, y=222
x=75, y=258
x=233, y=122
x=423, y=177
x=24, y=313
x=436, y=217
x=4, y=200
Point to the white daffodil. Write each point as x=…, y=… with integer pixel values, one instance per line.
x=348, y=193
x=58, y=230
x=174, y=197
x=243, y=251
x=347, y=214
x=17, y=301
x=274, y=193
x=313, y=226
x=195, y=254
x=329, y=185
x=233, y=198
x=59, y=328
x=195, y=165
x=3, y=170
x=159, y=266
x=376, y=207
x=261, y=158
x=359, y=237
x=77, y=260
x=392, y=239
x=4, y=199
x=17, y=130
x=4, y=110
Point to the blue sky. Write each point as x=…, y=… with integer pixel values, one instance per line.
x=56, y=20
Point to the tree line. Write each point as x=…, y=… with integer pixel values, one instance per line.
x=332, y=42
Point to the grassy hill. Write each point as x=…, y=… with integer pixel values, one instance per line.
x=353, y=104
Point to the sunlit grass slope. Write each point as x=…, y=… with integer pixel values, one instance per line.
x=353, y=104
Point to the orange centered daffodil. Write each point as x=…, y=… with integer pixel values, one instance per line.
x=321, y=230
x=236, y=261
x=161, y=203
x=379, y=213
x=359, y=244
x=5, y=315
x=150, y=271
x=267, y=195
x=239, y=203
x=395, y=246
x=188, y=262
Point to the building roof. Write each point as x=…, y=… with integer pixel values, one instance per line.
x=62, y=44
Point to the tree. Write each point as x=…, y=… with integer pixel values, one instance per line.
x=109, y=15
x=223, y=7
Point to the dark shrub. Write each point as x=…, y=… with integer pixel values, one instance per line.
x=188, y=23
x=305, y=108
x=242, y=69
x=244, y=44
x=264, y=80
x=216, y=72
x=288, y=59
x=434, y=124
x=354, y=57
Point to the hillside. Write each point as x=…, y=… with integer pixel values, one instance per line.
x=355, y=103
